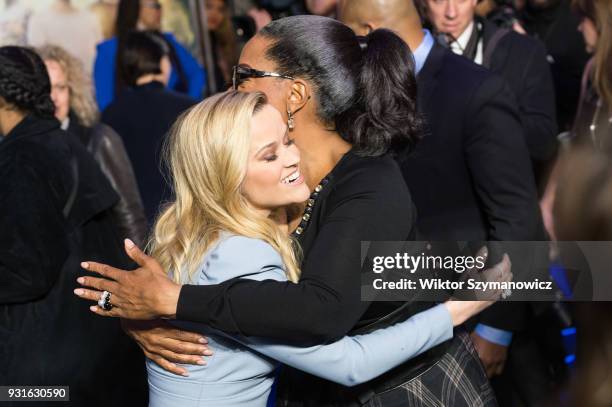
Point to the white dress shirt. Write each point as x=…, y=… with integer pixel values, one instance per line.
x=459, y=46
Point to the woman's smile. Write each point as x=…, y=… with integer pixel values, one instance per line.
x=293, y=179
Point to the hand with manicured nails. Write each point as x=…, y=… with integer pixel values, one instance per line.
x=142, y=294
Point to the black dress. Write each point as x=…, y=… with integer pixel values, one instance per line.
x=55, y=205
x=361, y=199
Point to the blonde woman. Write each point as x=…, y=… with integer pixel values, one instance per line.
x=233, y=166
x=593, y=123
x=76, y=109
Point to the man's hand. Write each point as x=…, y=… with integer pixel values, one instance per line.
x=142, y=294
x=492, y=355
x=166, y=345
x=500, y=272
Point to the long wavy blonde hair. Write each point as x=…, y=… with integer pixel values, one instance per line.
x=207, y=154
x=82, y=101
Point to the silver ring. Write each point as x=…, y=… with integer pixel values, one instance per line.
x=104, y=301
x=506, y=293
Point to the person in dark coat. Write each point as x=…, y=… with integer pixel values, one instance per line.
x=519, y=59
x=76, y=109
x=187, y=75
x=55, y=206
x=470, y=174
x=554, y=23
x=143, y=113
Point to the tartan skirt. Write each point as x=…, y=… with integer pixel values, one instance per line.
x=458, y=379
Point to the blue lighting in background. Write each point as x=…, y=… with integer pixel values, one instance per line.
x=568, y=331
x=557, y=272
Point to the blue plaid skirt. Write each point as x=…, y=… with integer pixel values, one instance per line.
x=458, y=379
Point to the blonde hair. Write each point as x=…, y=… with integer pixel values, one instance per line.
x=82, y=101
x=207, y=155
x=600, y=13
x=603, y=59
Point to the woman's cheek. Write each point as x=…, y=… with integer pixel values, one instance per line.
x=66, y=102
x=273, y=174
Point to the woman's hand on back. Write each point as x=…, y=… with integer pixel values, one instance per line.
x=461, y=311
x=166, y=345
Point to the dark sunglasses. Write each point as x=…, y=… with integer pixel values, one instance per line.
x=152, y=4
x=242, y=73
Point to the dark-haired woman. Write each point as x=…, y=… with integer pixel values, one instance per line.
x=187, y=75
x=224, y=41
x=56, y=207
x=350, y=104
x=144, y=110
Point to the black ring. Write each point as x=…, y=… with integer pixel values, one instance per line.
x=107, y=304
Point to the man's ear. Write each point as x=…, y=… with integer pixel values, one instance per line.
x=364, y=28
x=299, y=95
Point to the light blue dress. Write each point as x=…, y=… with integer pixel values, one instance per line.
x=241, y=371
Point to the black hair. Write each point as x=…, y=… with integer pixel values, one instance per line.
x=126, y=21
x=141, y=55
x=24, y=81
x=364, y=86
x=584, y=8
x=127, y=17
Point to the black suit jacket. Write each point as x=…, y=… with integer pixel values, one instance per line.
x=470, y=177
x=521, y=61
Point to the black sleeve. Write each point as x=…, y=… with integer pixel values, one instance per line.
x=33, y=241
x=499, y=163
x=501, y=170
x=537, y=105
x=507, y=316
x=325, y=304
x=114, y=162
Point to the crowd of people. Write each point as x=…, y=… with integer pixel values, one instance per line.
x=333, y=122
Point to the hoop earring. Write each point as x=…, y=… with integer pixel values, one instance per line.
x=290, y=120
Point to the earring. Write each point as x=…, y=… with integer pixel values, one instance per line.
x=290, y=120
